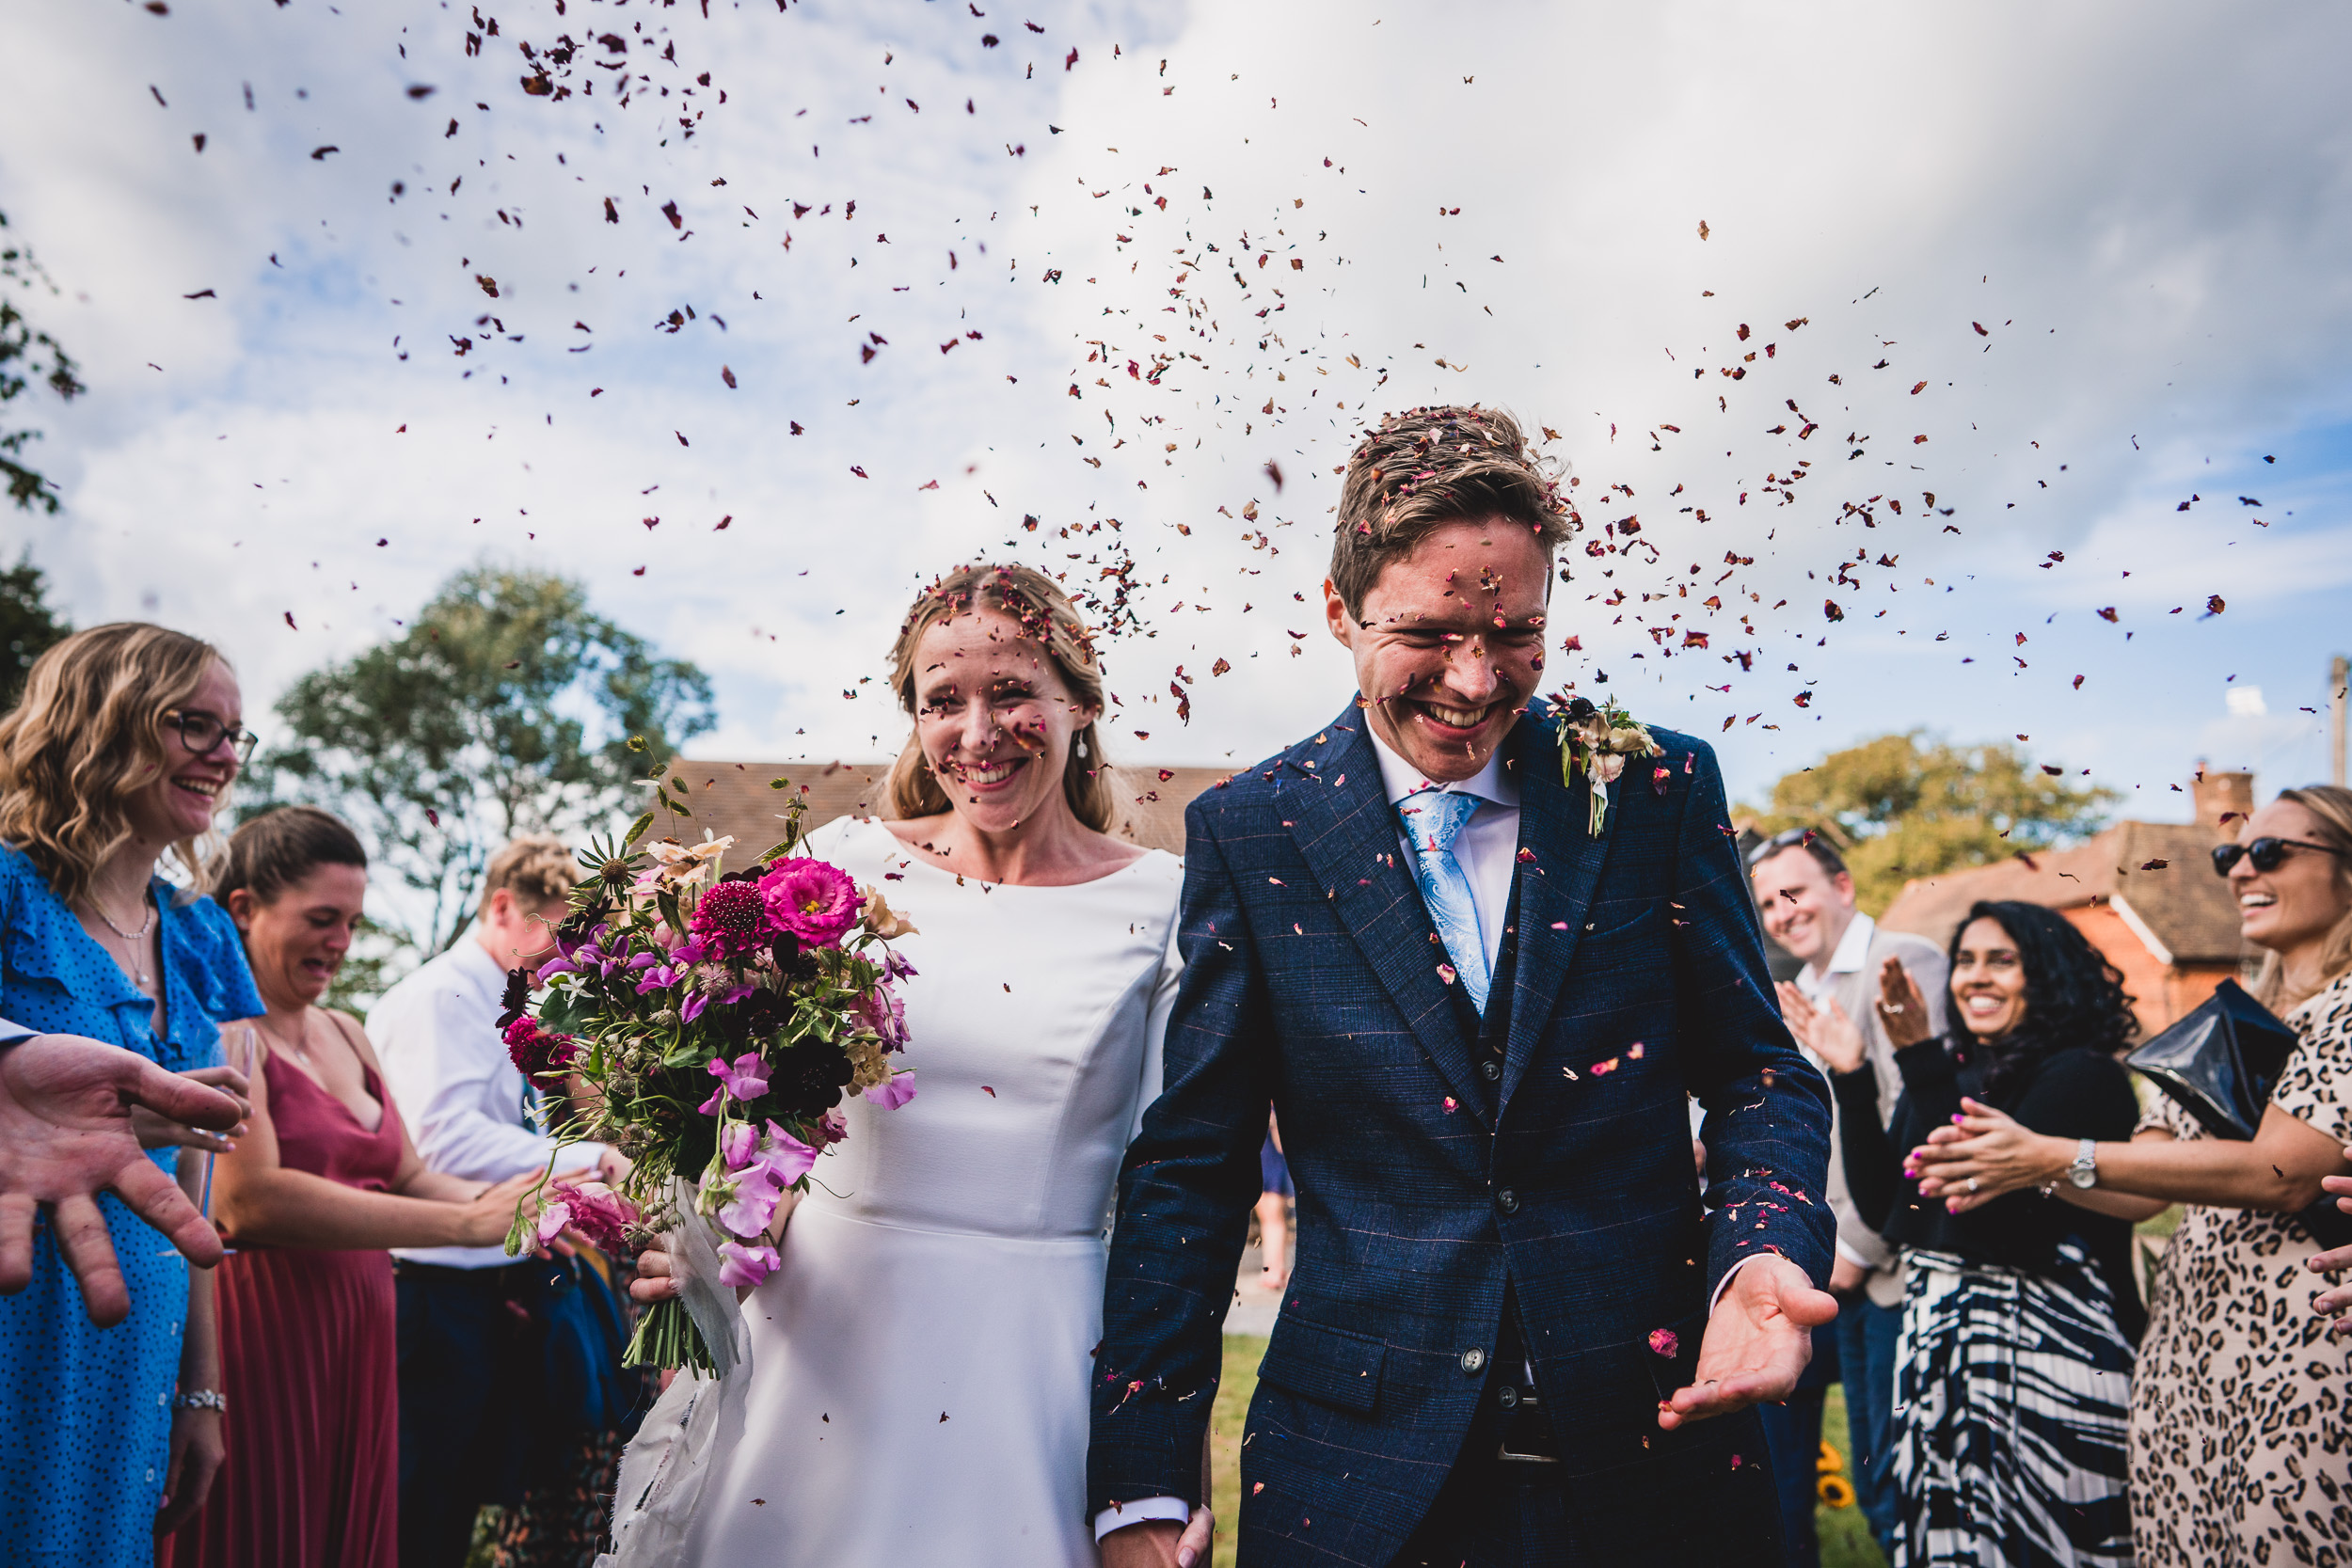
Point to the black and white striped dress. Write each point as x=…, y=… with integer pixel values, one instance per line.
x=2013, y=1392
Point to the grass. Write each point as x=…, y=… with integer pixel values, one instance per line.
x=1845, y=1534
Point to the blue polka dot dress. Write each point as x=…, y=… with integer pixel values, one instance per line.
x=85, y=1412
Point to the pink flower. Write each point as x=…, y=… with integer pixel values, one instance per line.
x=737, y=1142
x=593, y=1208
x=746, y=1266
x=1663, y=1341
x=893, y=1094
x=733, y=919
x=812, y=900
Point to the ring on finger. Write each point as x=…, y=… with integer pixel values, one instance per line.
x=1972, y=1183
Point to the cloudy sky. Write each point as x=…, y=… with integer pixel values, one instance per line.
x=2075, y=272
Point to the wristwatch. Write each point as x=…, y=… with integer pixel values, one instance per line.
x=2084, y=1172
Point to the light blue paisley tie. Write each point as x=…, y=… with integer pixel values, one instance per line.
x=1432, y=820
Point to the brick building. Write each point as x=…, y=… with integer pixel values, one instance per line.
x=2144, y=892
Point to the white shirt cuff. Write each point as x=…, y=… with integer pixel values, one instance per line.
x=1120, y=1516
x=1850, y=1255
x=1723, y=1284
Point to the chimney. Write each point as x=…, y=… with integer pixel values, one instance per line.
x=2223, y=801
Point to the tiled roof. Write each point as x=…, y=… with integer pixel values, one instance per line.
x=735, y=798
x=2156, y=874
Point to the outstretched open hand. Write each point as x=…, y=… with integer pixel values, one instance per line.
x=67, y=1133
x=1759, y=1339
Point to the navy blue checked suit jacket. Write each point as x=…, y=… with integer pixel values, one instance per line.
x=1635, y=971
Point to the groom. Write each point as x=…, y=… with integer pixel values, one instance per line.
x=1512, y=1317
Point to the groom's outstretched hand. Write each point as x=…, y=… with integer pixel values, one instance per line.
x=1759, y=1339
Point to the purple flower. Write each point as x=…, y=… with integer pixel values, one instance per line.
x=746, y=1080
x=737, y=1142
x=810, y=899
x=733, y=919
x=753, y=1205
x=886, y=1014
x=786, y=1158
x=746, y=1266
x=894, y=1092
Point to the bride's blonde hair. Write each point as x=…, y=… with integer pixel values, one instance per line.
x=1050, y=620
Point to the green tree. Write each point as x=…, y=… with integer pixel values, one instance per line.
x=1908, y=806
x=26, y=354
x=28, y=625
x=507, y=706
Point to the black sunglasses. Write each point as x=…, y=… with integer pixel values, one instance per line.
x=201, y=733
x=2267, y=853
x=1787, y=838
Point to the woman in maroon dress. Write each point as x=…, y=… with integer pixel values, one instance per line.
x=323, y=1183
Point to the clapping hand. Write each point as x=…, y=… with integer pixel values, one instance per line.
x=2338, y=1299
x=1825, y=1030
x=68, y=1132
x=1757, y=1341
x=1984, y=1154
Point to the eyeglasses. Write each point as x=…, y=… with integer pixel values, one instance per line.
x=202, y=734
x=2267, y=853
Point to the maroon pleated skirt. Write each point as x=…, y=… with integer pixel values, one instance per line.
x=309, y=1359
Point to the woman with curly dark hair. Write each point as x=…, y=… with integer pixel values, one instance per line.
x=2019, y=1316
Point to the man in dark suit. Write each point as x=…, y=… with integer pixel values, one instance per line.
x=1477, y=1005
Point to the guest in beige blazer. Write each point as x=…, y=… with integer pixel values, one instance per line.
x=1806, y=898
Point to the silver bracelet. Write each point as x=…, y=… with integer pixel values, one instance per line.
x=202, y=1399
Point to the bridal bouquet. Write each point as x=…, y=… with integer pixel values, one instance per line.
x=706, y=1024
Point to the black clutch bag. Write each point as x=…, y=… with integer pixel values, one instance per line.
x=2220, y=1063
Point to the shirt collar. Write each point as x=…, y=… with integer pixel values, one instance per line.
x=1400, y=778
x=1853, y=949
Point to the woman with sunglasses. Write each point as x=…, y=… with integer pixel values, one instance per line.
x=117, y=757
x=2238, y=1447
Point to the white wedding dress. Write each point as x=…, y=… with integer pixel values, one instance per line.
x=920, y=1363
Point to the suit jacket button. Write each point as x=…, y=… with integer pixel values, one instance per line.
x=1509, y=1396
x=1507, y=1200
x=1490, y=1071
x=1473, y=1358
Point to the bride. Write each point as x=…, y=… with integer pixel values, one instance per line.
x=920, y=1362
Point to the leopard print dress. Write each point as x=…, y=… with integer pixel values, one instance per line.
x=2240, y=1451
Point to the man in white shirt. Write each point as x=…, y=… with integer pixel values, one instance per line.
x=467, y=1376
x=1807, y=901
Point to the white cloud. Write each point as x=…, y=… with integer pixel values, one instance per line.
x=2141, y=206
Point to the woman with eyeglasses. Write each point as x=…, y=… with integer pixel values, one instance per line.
x=2239, y=1446
x=114, y=760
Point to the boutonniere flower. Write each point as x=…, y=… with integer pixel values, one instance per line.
x=1596, y=739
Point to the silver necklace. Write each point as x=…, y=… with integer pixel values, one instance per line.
x=138, y=939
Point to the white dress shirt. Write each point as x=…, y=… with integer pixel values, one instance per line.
x=1487, y=846
x=468, y=1107
x=1852, y=954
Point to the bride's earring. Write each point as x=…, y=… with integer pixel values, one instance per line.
x=1082, y=745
